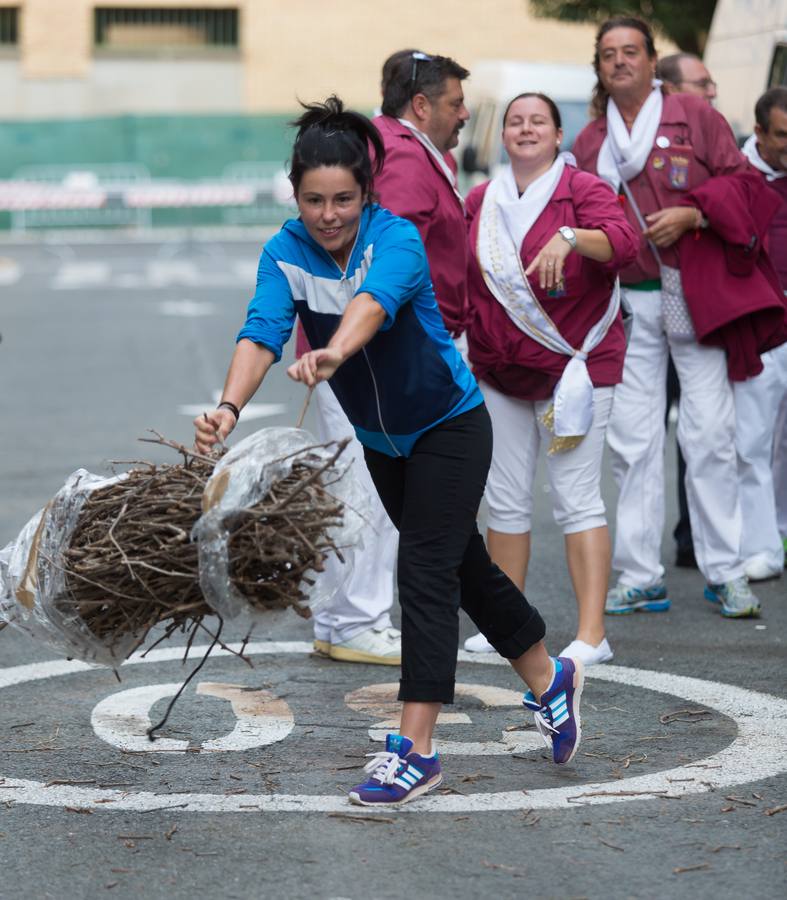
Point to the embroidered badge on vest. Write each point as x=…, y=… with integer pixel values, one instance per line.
x=679, y=172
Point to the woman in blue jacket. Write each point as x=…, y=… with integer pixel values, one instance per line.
x=358, y=278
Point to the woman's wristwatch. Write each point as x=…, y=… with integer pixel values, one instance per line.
x=569, y=235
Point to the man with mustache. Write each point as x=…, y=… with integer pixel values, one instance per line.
x=423, y=111
x=655, y=149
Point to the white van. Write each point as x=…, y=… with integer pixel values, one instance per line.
x=746, y=54
x=493, y=83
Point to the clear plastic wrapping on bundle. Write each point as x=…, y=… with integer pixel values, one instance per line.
x=32, y=578
x=273, y=476
x=241, y=479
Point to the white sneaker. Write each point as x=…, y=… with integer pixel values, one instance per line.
x=382, y=648
x=590, y=655
x=322, y=648
x=758, y=568
x=478, y=644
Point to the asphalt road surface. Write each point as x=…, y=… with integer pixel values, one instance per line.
x=678, y=789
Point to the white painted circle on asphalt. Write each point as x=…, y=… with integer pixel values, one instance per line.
x=122, y=719
x=758, y=751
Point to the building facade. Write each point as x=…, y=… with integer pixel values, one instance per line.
x=85, y=58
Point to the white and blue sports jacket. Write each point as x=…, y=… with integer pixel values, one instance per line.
x=409, y=377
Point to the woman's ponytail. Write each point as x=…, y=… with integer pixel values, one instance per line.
x=330, y=135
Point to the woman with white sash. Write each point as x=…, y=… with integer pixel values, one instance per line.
x=547, y=346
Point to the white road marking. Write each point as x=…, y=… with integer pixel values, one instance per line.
x=759, y=751
x=72, y=276
x=245, y=271
x=250, y=410
x=10, y=271
x=263, y=718
x=154, y=275
x=189, y=309
x=122, y=719
x=380, y=700
x=166, y=273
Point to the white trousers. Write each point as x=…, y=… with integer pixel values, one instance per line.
x=757, y=405
x=574, y=475
x=706, y=433
x=366, y=582
x=780, y=467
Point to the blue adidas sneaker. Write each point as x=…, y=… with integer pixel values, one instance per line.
x=557, y=713
x=397, y=774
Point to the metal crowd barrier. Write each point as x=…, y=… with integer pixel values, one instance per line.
x=124, y=194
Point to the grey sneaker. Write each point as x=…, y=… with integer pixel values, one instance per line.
x=735, y=598
x=622, y=599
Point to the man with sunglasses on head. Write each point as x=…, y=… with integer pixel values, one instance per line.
x=423, y=111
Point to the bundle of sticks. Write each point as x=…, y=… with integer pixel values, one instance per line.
x=131, y=564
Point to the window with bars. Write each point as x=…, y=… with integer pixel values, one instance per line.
x=135, y=28
x=9, y=26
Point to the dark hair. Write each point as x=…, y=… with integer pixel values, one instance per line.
x=668, y=68
x=554, y=111
x=413, y=72
x=775, y=97
x=598, y=102
x=393, y=62
x=330, y=135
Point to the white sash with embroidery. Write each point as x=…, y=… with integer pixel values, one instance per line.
x=504, y=222
x=623, y=155
x=438, y=156
x=752, y=153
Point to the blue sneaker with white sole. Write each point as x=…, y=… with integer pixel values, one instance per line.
x=735, y=598
x=623, y=599
x=557, y=713
x=397, y=775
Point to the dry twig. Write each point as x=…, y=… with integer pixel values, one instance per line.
x=131, y=564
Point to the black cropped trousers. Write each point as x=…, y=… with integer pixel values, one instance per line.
x=432, y=497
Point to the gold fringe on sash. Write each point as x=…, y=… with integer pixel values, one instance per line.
x=558, y=444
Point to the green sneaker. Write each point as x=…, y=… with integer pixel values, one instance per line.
x=735, y=598
x=622, y=599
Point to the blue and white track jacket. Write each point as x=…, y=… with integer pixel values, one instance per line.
x=409, y=377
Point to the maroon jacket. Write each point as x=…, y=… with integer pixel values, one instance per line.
x=732, y=290
x=504, y=356
x=777, y=233
x=700, y=146
x=413, y=185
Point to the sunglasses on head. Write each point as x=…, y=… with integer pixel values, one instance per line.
x=417, y=57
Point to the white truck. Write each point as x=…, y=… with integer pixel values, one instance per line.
x=494, y=83
x=746, y=54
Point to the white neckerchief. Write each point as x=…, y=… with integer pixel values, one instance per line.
x=438, y=156
x=752, y=153
x=623, y=155
x=504, y=222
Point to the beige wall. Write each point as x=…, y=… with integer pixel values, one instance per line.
x=305, y=48
x=302, y=48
